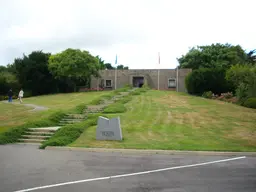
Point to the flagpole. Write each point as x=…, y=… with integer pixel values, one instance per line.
x=116, y=73
x=98, y=77
x=158, y=72
x=177, y=79
x=115, y=77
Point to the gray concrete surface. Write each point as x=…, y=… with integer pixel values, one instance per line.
x=35, y=107
x=151, y=151
x=25, y=166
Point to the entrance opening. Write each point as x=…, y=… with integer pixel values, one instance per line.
x=138, y=81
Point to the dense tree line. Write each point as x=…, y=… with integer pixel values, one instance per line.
x=221, y=68
x=44, y=73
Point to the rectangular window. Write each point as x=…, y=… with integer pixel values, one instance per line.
x=171, y=83
x=108, y=83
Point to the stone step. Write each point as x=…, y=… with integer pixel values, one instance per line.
x=40, y=133
x=124, y=93
x=44, y=129
x=31, y=140
x=75, y=116
x=92, y=112
x=69, y=122
x=75, y=120
x=64, y=124
x=43, y=137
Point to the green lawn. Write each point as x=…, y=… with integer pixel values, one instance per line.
x=176, y=121
x=12, y=115
x=64, y=101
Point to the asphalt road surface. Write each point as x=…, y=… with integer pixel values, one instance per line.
x=26, y=168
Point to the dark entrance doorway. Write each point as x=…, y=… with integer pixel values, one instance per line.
x=138, y=81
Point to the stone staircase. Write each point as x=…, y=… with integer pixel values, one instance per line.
x=71, y=119
x=38, y=135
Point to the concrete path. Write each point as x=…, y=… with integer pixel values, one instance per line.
x=26, y=168
x=36, y=107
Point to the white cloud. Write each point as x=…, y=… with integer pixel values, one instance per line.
x=136, y=30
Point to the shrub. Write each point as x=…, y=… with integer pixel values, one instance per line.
x=68, y=133
x=108, y=96
x=115, y=108
x=244, y=78
x=250, y=102
x=207, y=94
x=145, y=85
x=227, y=95
x=12, y=135
x=96, y=101
x=202, y=80
x=80, y=108
x=124, y=100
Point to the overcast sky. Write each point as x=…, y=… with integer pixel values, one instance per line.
x=135, y=30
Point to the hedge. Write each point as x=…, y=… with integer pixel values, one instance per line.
x=250, y=102
x=203, y=80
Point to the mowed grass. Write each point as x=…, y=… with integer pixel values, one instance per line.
x=13, y=115
x=64, y=101
x=176, y=121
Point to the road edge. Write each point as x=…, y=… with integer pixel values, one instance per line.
x=151, y=152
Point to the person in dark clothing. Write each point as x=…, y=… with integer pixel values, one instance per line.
x=10, y=94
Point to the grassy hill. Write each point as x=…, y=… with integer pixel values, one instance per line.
x=170, y=120
x=153, y=120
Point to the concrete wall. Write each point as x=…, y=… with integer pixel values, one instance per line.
x=150, y=75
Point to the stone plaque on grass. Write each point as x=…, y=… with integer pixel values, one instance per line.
x=109, y=129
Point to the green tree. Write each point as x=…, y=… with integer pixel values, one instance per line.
x=101, y=62
x=244, y=79
x=251, y=57
x=3, y=68
x=7, y=81
x=205, y=79
x=33, y=74
x=122, y=67
x=75, y=65
x=213, y=56
x=108, y=66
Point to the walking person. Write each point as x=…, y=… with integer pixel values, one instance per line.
x=21, y=93
x=10, y=94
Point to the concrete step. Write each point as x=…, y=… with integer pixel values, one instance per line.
x=74, y=120
x=44, y=129
x=43, y=137
x=40, y=133
x=92, y=112
x=75, y=116
x=68, y=122
x=31, y=140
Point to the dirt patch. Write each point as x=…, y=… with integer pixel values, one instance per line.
x=244, y=134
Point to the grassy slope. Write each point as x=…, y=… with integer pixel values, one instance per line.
x=170, y=120
x=16, y=115
x=64, y=101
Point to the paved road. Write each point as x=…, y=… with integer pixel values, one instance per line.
x=24, y=167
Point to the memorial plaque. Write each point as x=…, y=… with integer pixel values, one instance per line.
x=109, y=129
